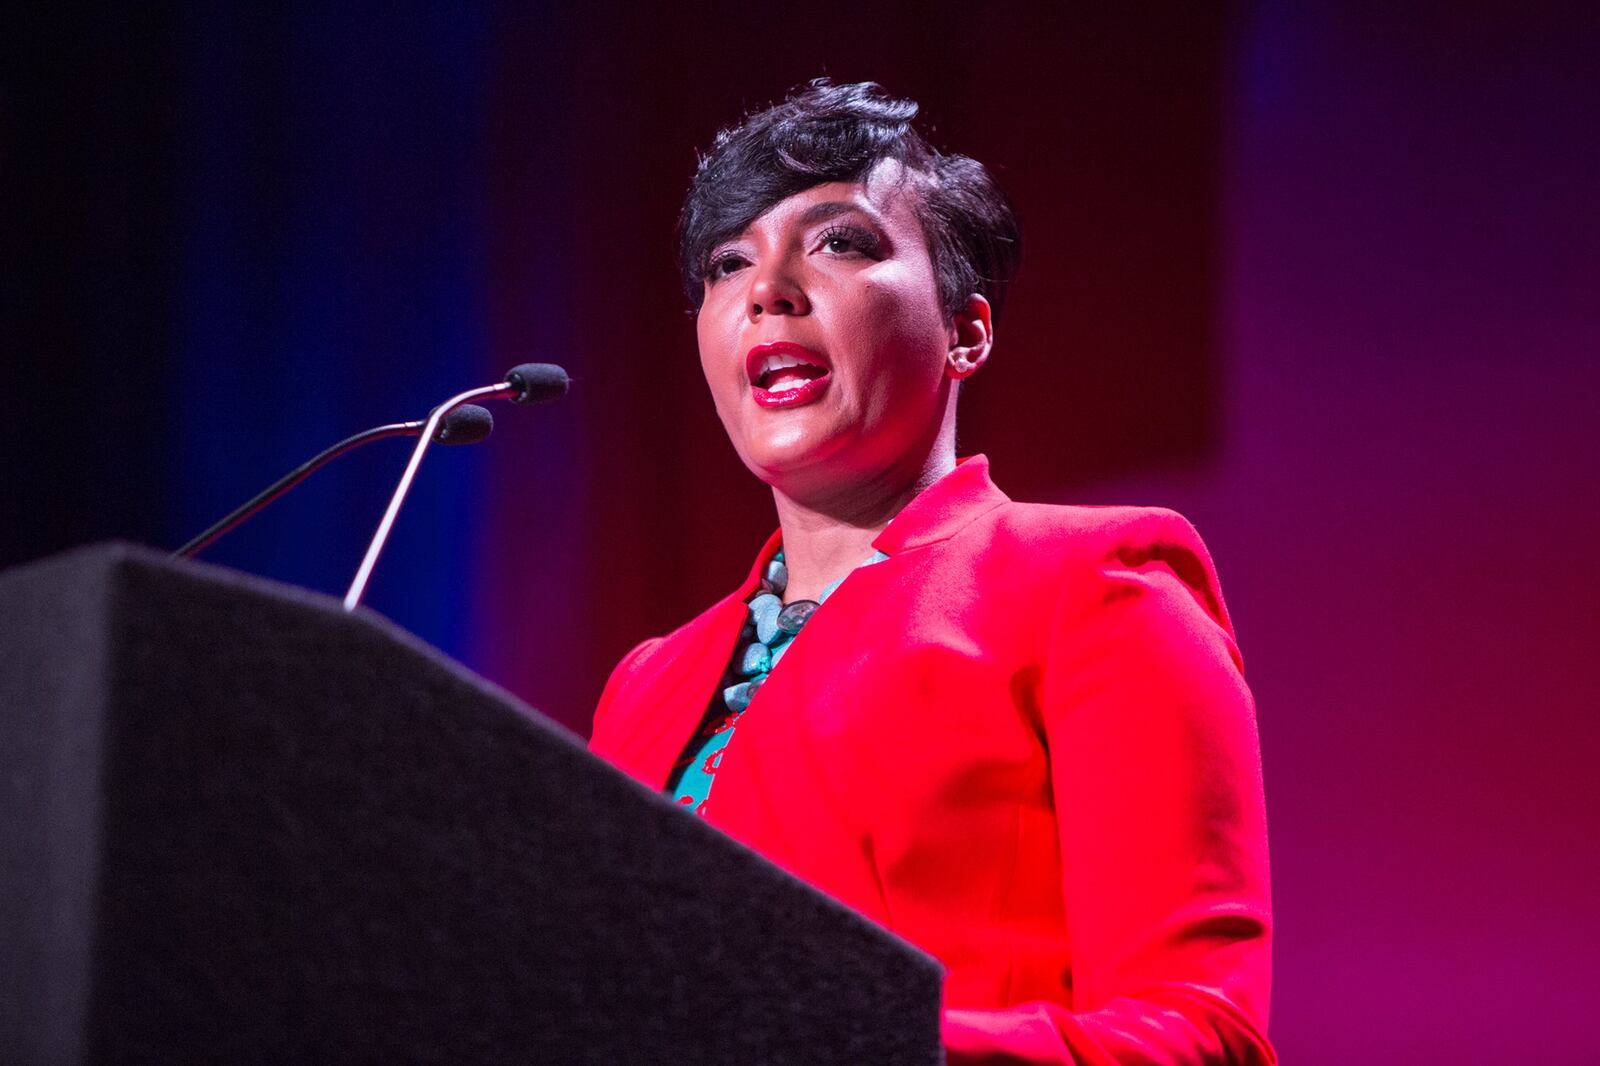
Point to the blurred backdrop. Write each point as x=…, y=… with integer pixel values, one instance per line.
x=1325, y=277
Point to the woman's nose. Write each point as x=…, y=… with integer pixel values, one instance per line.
x=775, y=291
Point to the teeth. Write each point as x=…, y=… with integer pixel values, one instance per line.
x=780, y=361
x=787, y=385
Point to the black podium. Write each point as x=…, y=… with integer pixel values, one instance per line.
x=241, y=825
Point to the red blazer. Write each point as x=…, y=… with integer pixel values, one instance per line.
x=1023, y=743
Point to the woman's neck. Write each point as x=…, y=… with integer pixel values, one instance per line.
x=825, y=539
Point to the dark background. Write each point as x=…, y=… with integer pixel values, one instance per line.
x=1324, y=278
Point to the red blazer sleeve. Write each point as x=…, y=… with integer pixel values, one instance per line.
x=1157, y=783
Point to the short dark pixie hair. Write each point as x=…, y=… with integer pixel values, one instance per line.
x=826, y=132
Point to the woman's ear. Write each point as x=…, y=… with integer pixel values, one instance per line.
x=971, y=337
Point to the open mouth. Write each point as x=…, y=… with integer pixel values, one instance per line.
x=784, y=371
x=786, y=374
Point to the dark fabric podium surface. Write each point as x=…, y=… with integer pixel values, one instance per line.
x=241, y=825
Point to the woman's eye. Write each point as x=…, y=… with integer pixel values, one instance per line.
x=723, y=265
x=841, y=240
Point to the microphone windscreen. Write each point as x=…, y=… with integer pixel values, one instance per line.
x=538, y=382
x=467, y=424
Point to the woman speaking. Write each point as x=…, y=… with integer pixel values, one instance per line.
x=1017, y=735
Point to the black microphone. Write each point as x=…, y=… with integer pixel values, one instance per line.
x=464, y=425
x=467, y=424
x=538, y=382
x=529, y=383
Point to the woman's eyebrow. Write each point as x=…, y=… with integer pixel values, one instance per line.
x=830, y=208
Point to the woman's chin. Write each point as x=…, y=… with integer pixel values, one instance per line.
x=790, y=451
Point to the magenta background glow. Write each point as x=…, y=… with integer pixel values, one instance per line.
x=1402, y=510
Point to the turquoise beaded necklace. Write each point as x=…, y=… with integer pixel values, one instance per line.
x=766, y=636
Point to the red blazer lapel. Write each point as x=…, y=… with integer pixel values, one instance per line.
x=659, y=694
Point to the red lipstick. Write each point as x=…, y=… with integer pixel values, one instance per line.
x=801, y=375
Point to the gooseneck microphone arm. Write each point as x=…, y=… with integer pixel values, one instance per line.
x=529, y=383
x=468, y=428
x=498, y=391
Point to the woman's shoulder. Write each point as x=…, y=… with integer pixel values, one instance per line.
x=646, y=658
x=645, y=653
x=1089, y=525
x=1153, y=550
